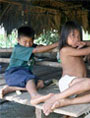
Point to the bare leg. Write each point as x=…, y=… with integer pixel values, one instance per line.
x=78, y=88
x=8, y=89
x=68, y=101
x=75, y=81
x=60, y=103
x=35, y=96
x=40, y=84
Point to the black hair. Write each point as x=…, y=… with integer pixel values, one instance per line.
x=66, y=30
x=26, y=31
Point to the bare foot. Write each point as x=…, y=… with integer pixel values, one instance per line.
x=4, y=91
x=60, y=103
x=39, y=98
x=52, y=104
x=8, y=89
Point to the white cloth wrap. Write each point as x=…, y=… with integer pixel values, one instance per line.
x=64, y=82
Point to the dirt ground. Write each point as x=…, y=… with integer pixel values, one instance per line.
x=15, y=110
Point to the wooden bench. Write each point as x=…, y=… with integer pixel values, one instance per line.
x=24, y=98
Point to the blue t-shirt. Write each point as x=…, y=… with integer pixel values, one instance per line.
x=21, y=56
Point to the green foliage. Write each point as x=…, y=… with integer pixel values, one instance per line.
x=47, y=37
x=7, y=41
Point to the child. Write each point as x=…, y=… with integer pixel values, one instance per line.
x=18, y=75
x=71, y=55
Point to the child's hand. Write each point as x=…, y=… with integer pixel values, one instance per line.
x=80, y=44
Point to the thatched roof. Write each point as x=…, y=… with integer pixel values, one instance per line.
x=43, y=14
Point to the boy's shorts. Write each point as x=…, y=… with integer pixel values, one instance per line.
x=18, y=76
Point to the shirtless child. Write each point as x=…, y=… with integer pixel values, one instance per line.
x=74, y=70
x=19, y=74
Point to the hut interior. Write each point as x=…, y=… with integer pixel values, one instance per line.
x=42, y=14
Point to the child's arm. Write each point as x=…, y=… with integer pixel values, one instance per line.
x=87, y=43
x=83, y=44
x=75, y=52
x=44, y=48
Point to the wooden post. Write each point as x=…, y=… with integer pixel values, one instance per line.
x=39, y=114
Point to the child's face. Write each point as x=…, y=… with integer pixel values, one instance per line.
x=25, y=41
x=73, y=38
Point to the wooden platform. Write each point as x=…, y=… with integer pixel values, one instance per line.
x=49, y=73
x=24, y=98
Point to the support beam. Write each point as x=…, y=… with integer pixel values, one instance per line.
x=32, y=6
x=5, y=10
x=53, y=8
x=10, y=2
x=2, y=50
x=4, y=60
x=61, y=5
x=39, y=114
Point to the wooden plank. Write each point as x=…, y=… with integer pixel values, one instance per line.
x=2, y=81
x=46, y=63
x=5, y=60
x=5, y=50
x=49, y=63
x=87, y=116
x=38, y=113
x=73, y=110
x=1, y=75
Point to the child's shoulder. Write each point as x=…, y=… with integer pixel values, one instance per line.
x=65, y=49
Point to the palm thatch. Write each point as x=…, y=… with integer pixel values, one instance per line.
x=43, y=14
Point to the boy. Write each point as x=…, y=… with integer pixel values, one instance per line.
x=18, y=75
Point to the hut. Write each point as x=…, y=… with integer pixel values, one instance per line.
x=43, y=14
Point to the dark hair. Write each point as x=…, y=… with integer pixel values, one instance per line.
x=26, y=31
x=66, y=29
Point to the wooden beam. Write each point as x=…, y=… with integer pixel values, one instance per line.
x=10, y=2
x=62, y=4
x=5, y=50
x=32, y=6
x=66, y=5
x=4, y=60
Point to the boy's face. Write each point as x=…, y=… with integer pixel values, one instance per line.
x=73, y=38
x=25, y=41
